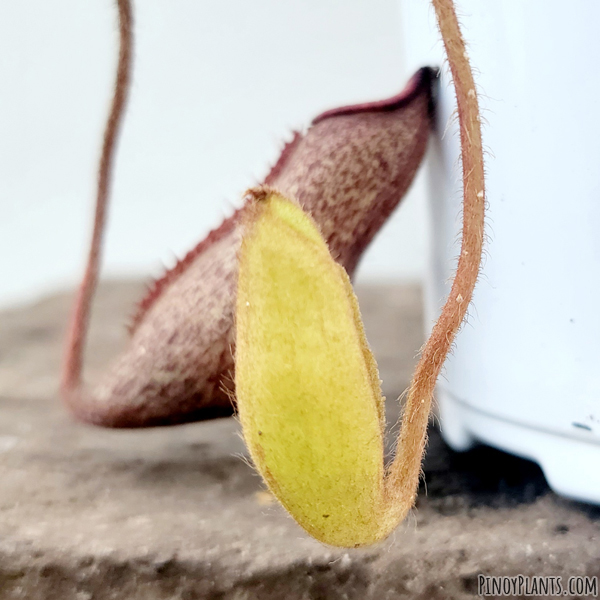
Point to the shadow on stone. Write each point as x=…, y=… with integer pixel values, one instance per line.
x=482, y=476
x=331, y=581
x=591, y=511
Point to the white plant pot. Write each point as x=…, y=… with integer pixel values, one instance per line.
x=525, y=373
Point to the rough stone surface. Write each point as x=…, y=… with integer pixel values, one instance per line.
x=90, y=514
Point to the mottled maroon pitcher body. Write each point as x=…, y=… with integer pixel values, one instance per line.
x=349, y=171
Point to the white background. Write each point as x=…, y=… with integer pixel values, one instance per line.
x=218, y=86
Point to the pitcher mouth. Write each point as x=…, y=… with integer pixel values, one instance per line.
x=422, y=81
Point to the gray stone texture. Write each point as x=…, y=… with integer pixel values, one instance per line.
x=92, y=514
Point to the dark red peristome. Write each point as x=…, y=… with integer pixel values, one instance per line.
x=414, y=87
x=349, y=170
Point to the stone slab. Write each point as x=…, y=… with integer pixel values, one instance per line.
x=92, y=514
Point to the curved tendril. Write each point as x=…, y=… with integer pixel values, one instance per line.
x=80, y=316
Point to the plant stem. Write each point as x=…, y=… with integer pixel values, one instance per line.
x=403, y=477
x=80, y=316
